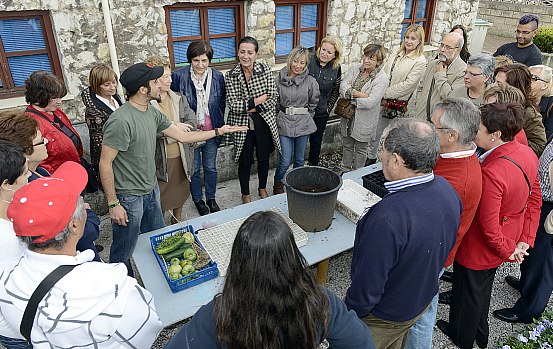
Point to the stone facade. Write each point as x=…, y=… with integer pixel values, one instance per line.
x=139, y=31
x=505, y=14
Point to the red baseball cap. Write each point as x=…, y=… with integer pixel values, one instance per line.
x=45, y=206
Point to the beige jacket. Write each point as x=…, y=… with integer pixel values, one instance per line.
x=441, y=84
x=405, y=76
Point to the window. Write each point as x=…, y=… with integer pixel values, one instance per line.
x=299, y=23
x=220, y=23
x=419, y=12
x=26, y=45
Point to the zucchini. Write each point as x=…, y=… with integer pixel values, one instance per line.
x=176, y=253
x=170, y=244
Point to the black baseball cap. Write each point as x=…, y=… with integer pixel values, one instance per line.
x=138, y=74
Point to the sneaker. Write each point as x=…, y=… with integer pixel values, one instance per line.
x=201, y=207
x=213, y=207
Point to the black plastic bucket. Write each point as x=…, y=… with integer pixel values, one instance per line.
x=312, y=192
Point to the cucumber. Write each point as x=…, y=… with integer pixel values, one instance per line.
x=170, y=243
x=176, y=253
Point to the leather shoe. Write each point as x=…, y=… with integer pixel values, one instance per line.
x=201, y=207
x=513, y=282
x=444, y=298
x=507, y=315
x=447, y=276
x=442, y=326
x=213, y=207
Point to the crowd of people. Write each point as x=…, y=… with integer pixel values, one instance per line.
x=471, y=132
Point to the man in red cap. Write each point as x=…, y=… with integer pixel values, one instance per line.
x=127, y=166
x=95, y=304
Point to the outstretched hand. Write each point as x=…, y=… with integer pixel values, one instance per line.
x=231, y=129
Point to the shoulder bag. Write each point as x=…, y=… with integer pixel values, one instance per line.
x=391, y=107
x=345, y=108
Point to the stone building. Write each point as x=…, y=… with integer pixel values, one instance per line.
x=68, y=37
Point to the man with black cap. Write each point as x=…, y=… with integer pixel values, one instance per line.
x=95, y=304
x=127, y=166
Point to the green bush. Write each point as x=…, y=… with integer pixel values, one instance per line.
x=544, y=39
x=538, y=335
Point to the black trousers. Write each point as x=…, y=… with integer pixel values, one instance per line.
x=536, y=273
x=470, y=303
x=259, y=142
x=316, y=139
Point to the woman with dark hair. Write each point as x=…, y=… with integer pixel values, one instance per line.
x=460, y=29
x=100, y=100
x=324, y=66
x=252, y=98
x=364, y=84
x=43, y=92
x=503, y=228
x=270, y=299
x=518, y=75
x=204, y=88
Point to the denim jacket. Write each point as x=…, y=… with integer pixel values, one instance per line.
x=182, y=83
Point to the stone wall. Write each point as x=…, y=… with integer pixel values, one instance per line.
x=505, y=15
x=450, y=13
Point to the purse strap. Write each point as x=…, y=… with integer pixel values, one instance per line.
x=57, y=123
x=43, y=288
x=525, y=177
x=392, y=68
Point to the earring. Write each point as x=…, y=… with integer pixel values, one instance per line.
x=493, y=139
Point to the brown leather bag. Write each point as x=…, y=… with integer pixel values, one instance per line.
x=345, y=108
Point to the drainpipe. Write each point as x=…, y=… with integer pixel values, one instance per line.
x=111, y=43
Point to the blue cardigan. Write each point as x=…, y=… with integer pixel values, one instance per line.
x=345, y=330
x=182, y=83
x=400, y=247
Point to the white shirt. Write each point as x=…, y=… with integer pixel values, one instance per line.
x=108, y=102
x=96, y=305
x=11, y=249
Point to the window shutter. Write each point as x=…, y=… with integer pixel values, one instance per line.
x=22, y=66
x=185, y=23
x=22, y=34
x=222, y=21
x=309, y=15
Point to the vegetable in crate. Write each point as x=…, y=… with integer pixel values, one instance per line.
x=188, y=269
x=188, y=237
x=175, y=276
x=174, y=261
x=176, y=253
x=170, y=243
x=190, y=254
x=174, y=269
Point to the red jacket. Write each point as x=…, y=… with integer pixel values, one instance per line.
x=507, y=214
x=60, y=147
x=465, y=177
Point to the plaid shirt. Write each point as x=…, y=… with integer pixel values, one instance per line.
x=238, y=96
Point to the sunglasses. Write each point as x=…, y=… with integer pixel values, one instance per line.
x=537, y=78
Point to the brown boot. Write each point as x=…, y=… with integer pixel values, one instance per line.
x=263, y=193
x=278, y=187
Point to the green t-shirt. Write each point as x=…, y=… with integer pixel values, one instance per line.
x=133, y=133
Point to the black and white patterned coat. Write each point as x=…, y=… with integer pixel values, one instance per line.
x=238, y=97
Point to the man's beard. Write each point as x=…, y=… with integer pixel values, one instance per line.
x=149, y=94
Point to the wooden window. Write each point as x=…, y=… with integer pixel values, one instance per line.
x=26, y=45
x=300, y=22
x=219, y=23
x=419, y=12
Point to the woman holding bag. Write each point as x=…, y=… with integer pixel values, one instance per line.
x=364, y=85
x=404, y=69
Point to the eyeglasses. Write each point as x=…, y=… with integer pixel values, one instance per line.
x=472, y=74
x=537, y=78
x=523, y=32
x=447, y=47
x=444, y=128
x=166, y=77
x=42, y=141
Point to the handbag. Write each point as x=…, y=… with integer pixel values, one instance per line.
x=392, y=108
x=345, y=108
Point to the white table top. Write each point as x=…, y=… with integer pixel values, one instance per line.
x=174, y=307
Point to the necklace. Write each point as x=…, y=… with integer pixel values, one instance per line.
x=142, y=105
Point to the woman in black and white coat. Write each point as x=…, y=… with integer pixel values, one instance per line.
x=251, y=99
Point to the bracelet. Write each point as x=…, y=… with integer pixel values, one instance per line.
x=113, y=204
x=216, y=132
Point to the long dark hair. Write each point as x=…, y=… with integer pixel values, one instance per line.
x=269, y=299
x=464, y=54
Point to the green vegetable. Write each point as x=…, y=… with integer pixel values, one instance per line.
x=175, y=276
x=190, y=254
x=188, y=237
x=174, y=269
x=174, y=261
x=185, y=262
x=176, y=253
x=170, y=243
x=188, y=269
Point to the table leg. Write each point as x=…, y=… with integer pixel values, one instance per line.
x=322, y=271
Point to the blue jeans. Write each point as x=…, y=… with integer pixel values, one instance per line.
x=15, y=343
x=291, y=146
x=420, y=334
x=144, y=213
x=205, y=155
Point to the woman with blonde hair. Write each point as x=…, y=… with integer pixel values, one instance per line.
x=364, y=84
x=324, y=66
x=404, y=68
x=298, y=95
x=542, y=86
x=174, y=160
x=100, y=100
